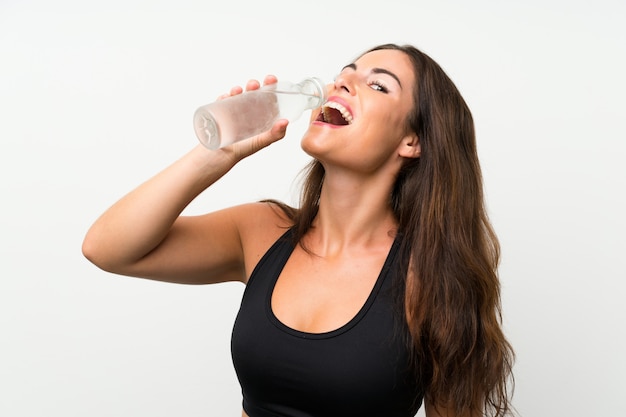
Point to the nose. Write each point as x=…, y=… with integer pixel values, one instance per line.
x=345, y=82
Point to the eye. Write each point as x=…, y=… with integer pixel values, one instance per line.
x=379, y=86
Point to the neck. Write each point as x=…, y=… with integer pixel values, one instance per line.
x=354, y=213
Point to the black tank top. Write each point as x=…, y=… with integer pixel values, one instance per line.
x=360, y=369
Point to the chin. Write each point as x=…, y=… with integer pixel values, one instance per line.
x=310, y=144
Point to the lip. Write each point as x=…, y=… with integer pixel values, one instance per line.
x=337, y=100
x=341, y=101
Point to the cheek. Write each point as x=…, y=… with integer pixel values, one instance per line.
x=390, y=129
x=397, y=119
x=389, y=113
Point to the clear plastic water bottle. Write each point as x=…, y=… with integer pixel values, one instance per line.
x=234, y=118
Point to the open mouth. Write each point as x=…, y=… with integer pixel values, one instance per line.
x=335, y=114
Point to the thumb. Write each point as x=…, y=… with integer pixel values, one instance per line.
x=254, y=144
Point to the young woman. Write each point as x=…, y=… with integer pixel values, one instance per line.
x=380, y=290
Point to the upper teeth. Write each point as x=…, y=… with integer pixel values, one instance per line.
x=344, y=112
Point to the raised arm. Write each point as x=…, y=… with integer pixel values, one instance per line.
x=143, y=234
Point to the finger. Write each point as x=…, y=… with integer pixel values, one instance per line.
x=277, y=132
x=252, y=85
x=254, y=144
x=279, y=129
x=270, y=79
x=236, y=90
x=233, y=92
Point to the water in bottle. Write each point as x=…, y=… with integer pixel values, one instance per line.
x=232, y=119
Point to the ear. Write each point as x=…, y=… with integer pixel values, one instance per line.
x=410, y=146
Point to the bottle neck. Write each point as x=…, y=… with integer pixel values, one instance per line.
x=315, y=89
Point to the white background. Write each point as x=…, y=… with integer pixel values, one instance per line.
x=96, y=98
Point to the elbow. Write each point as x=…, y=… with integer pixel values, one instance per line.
x=93, y=251
x=90, y=250
x=106, y=254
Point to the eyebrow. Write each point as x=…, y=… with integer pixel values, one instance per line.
x=377, y=71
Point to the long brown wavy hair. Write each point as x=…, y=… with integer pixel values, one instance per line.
x=451, y=295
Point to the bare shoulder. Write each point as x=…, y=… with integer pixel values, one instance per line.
x=223, y=245
x=260, y=224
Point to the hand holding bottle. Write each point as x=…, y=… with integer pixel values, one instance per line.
x=248, y=146
x=241, y=115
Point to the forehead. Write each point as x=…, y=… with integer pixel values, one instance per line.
x=390, y=59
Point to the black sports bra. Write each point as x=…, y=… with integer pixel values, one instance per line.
x=360, y=369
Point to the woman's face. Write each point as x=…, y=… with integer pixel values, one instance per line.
x=364, y=123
